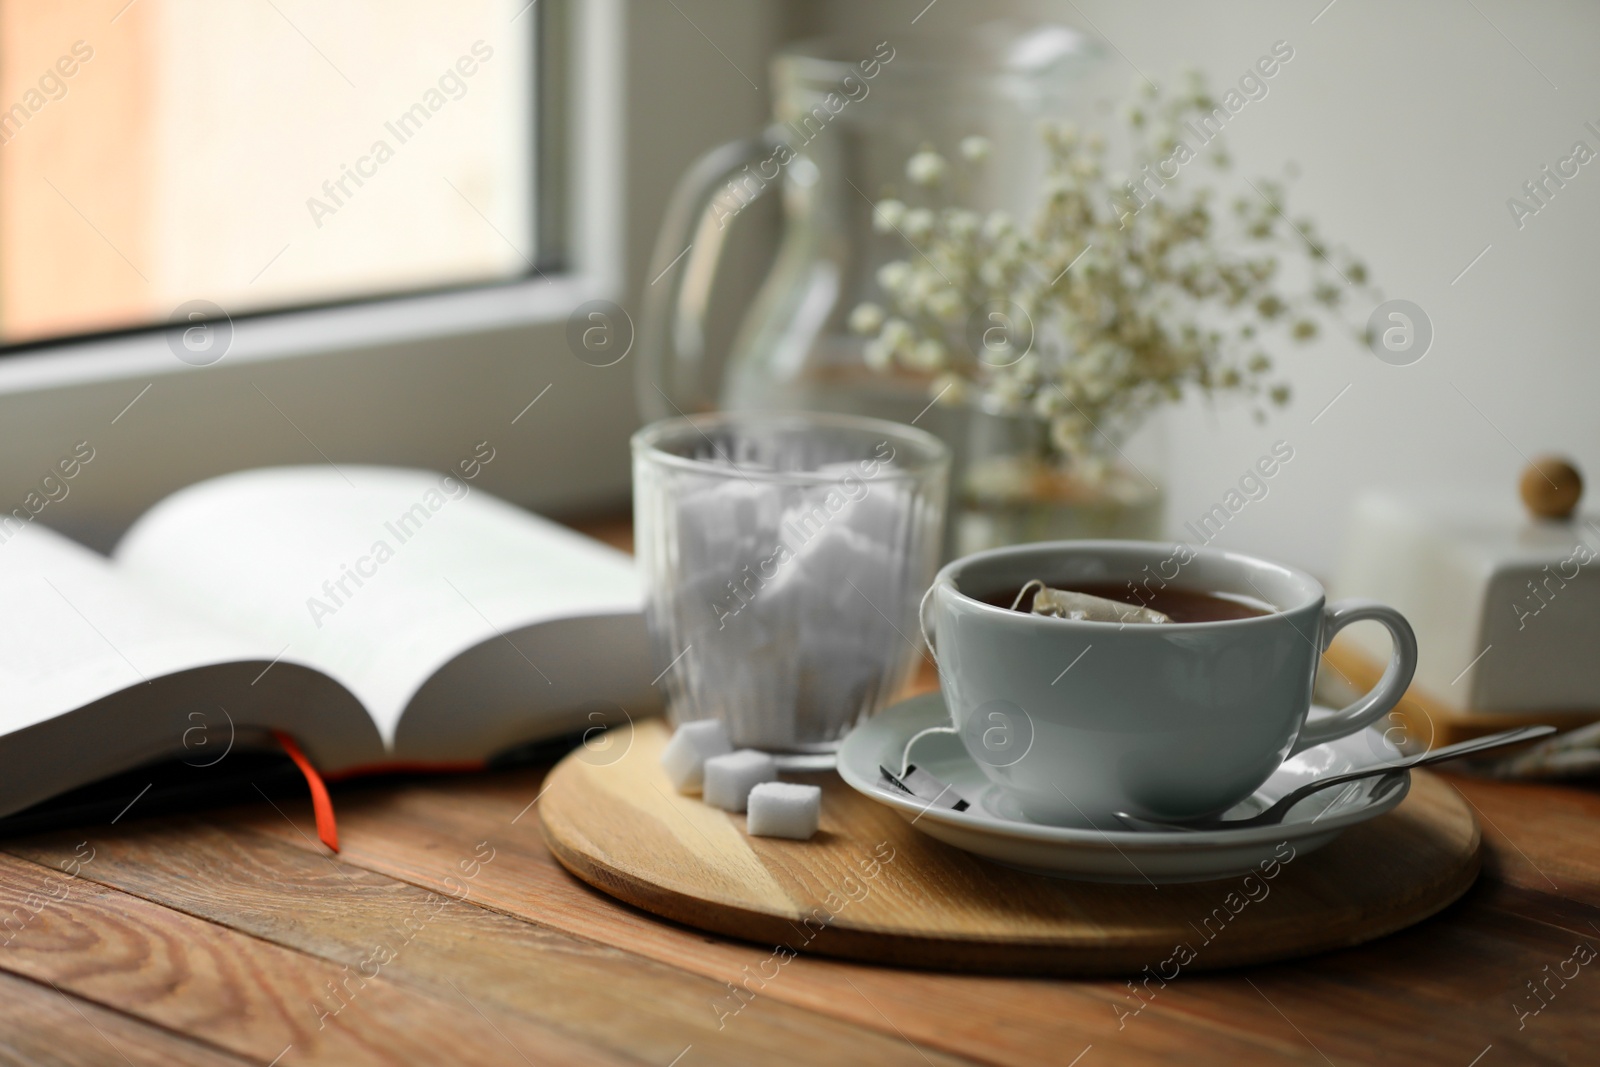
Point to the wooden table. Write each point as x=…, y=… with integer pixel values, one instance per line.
x=446, y=933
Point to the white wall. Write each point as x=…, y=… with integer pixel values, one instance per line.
x=1411, y=125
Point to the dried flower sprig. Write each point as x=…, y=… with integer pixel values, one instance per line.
x=1116, y=298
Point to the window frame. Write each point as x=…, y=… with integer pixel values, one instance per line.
x=579, y=230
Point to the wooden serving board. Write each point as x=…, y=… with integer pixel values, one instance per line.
x=869, y=886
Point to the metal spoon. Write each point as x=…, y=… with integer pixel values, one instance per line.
x=1273, y=815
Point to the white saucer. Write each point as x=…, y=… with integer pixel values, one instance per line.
x=1113, y=853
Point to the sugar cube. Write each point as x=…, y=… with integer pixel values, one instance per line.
x=729, y=779
x=685, y=756
x=784, y=809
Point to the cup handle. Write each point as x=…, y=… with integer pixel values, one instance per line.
x=922, y=623
x=1390, y=688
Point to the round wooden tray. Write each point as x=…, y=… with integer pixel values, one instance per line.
x=869, y=886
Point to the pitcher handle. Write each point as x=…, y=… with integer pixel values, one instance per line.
x=676, y=294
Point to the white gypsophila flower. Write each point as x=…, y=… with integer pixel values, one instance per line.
x=923, y=284
x=1006, y=392
x=926, y=168
x=897, y=335
x=886, y=215
x=962, y=224
x=1067, y=434
x=918, y=223
x=992, y=272
x=949, y=389
x=1115, y=275
x=946, y=305
x=877, y=355
x=1093, y=467
x=997, y=225
x=997, y=351
x=866, y=318
x=894, y=276
x=926, y=355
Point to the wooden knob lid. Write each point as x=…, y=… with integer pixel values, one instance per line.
x=1551, y=487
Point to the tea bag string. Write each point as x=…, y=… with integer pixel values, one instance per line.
x=1024, y=592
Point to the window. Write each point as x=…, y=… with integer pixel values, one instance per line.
x=163, y=156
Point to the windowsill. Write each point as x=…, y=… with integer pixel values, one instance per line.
x=317, y=332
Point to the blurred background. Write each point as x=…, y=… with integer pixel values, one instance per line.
x=397, y=222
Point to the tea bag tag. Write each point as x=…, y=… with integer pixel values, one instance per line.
x=925, y=787
x=1064, y=604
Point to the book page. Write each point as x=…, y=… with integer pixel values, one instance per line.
x=376, y=576
x=75, y=631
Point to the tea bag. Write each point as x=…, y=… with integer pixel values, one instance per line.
x=1064, y=604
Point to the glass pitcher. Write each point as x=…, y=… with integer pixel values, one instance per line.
x=847, y=117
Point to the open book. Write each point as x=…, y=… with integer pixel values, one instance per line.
x=378, y=617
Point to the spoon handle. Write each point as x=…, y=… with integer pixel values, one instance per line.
x=1476, y=744
x=1439, y=755
x=1488, y=741
x=1290, y=799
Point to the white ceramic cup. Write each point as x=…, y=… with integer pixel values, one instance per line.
x=1077, y=720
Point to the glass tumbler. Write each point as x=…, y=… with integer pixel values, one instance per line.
x=783, y=558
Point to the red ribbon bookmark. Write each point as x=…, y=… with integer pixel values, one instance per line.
x=321, y=804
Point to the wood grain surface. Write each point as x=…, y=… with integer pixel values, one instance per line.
x=1439, y=992
x=212, y=939
x=870, y=886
